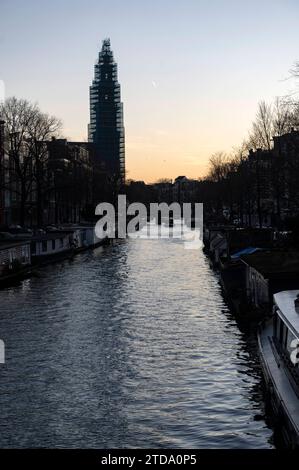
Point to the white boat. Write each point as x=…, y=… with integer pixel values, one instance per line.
x=278, y=344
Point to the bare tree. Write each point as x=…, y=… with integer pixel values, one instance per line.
x=26, y=129
x=218, y=166
x=282, y=117
x=218, y=171
x=295, y=69
x=262, y=128
x=42, y=128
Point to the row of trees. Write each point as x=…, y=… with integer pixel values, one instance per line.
x=258, y=170
x=25, y=174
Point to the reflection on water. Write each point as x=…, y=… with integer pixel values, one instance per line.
x=127, y=346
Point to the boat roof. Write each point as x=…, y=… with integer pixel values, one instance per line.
x=51, y=235
x=285, y=302
x=274, y=264
x=245, y=251
x=6, y=244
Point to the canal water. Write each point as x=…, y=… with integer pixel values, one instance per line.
x=129, y=345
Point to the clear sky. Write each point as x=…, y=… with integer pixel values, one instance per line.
x=191, y=71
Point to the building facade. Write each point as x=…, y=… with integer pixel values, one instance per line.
x=260, y=167
x=71, y=172
x=286, y=154
x=106, y=128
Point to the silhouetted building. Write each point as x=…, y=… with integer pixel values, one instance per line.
x=287, y=144
x=184, y=189
x=163, y=191
x=286, y=154
x=71, y=171
x=259, y=167
x=106, y=129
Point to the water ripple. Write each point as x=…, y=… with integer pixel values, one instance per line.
x=127, y=346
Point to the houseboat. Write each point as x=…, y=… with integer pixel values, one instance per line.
x=269, y=272
x=52, y=246
x=84, y=236
x=15, y=260
x=278, y=340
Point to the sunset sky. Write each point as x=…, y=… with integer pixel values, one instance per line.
x=191, y=71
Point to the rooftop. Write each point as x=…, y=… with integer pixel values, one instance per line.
x=52, y=235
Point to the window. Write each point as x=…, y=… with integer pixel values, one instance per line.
x=12, y=255
x=285, y=338
x=24, y=254
x=44, y=245
x=275, y=324
x=61, y=242
x=53, y=244
x=280, y=333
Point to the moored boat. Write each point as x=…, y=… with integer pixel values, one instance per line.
x=278, y=345
x=53, y=246
x=15, y=260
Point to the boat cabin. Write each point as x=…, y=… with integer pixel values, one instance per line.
x=286, y=329
x=52, y=244
x=269, y=272
x=278, y=341
x=14, y=256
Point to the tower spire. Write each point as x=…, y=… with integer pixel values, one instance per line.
x=106, y=129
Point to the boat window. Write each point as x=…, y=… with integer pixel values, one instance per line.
x=281, y=331
x=283, y=334
x=24, y=254
x=278, y=327
x=285, y=337
x=44, y=245
x=275, y=322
